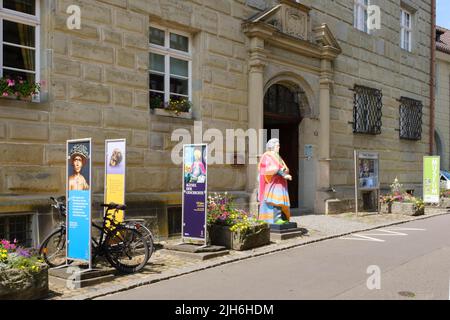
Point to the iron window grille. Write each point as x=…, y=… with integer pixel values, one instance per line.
x=17, y=227
x=410, y=119
x=367, y=110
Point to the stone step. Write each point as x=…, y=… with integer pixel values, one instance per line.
x=287, y=234
x=196, y=255
x=69, y=276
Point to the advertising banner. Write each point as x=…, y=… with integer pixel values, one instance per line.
x=431, y=178
x=115, y=169
x=78, y=189
x=194, y=192
x=368, y=171
x=367, y=182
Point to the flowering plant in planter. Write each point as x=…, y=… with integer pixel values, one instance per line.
x=18, y=87
x=178, y=106
x=398, y=196
x=222, y=211
x=13, y=256
x=23, y=274
x=232, y=227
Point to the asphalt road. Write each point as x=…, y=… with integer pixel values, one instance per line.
x=413, y=260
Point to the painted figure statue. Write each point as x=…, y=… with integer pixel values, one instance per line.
x=273, y=193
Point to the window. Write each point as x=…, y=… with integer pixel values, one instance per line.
x=17, y=227
x=410, y=119
x=170, y=66
x=361, y=15
x=367, y=110
x=406, y=30
x=19, y=39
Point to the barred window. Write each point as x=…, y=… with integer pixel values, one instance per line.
x=410, y=119
x=17, y=227
x=367, y=110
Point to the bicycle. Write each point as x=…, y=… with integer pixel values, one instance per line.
x=126, y=240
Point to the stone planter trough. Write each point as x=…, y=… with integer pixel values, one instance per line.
x=406, y=208
x=16, y=284
x=386, y=207
x=444, y=203
x=222, y=236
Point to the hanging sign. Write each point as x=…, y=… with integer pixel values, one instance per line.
x=194, y=192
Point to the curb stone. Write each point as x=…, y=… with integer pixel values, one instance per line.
x=277, y=247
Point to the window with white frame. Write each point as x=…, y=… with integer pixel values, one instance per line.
x=169, y=66
x=406, y=30
x=361, y=15
x=19, y=39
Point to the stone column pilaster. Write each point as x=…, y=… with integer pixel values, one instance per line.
x=323, y=174
x=255, y=113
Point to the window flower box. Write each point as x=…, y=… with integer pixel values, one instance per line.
x=18, y=88
x=164, y=112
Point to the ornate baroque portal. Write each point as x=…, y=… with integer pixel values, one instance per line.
x=287, y=26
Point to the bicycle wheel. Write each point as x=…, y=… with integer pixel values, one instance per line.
x=148, y=236
x=126, y=250
x=53, y=249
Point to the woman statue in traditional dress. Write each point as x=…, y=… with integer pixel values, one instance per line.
x=273, y=193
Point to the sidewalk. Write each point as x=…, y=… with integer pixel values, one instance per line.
x=163, y=265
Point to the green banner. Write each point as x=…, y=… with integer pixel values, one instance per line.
x=431, y=176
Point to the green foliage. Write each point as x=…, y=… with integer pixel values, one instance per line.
x=16, y=257
x=222, y=211
x=18, y=87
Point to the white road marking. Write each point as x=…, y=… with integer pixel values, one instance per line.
x=363, y=238
x=393, y=231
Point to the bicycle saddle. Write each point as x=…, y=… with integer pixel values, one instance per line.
x=113, y=205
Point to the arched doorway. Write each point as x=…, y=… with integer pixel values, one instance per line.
x=282, y=112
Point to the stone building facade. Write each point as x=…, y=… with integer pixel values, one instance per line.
x=442, y=135
x=291, y=65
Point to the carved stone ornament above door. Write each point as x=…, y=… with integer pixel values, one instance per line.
x=288, y=25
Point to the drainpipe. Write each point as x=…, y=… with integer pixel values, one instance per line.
x=432, y=73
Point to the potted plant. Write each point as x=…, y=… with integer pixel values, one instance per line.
x=234, y=228
x=174, y=107
x=23, y=275
x=18, y=88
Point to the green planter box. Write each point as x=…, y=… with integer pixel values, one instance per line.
x=222, y=236
x=16, y=284
x=406, y=208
